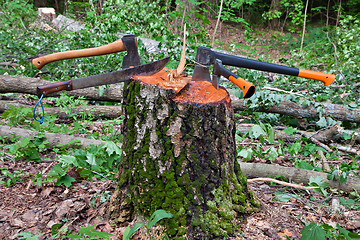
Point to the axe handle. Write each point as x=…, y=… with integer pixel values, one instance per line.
x=247, y=88
x=235, y=61
x=54, y=87
x=114, y=47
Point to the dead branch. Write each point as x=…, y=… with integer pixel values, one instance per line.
x=280, y=182
x=332, y=134
x=296, y=175
x=95, y=111
x=336, y=111
x=54, y=139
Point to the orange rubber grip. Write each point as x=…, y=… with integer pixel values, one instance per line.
x=114, y=47
x=247, y=88
x=326, y=78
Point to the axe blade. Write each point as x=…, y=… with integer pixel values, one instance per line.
x=132, y=57
x=201, y=73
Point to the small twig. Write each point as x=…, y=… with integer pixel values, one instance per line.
x=346, y=149
x=280, y=182
x=217, y=23
x=280, y=90
x=195, y=62
x=317, y=142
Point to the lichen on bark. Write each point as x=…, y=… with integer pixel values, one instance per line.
x=180, y=157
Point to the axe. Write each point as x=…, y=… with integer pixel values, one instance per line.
x=205, y=57
x=126, y=43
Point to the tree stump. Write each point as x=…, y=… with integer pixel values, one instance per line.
x=179, y=155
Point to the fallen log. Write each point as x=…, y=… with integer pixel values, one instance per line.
x=55, y=139
x=336, y=111
x=16, y=84
x=332, y=134
x=95, y=111
x=296, y=175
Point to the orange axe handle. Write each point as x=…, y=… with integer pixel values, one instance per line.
x=326, y=78
x=247, y=88
x=117, y=46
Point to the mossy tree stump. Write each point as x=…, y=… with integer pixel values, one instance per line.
x=179, y=155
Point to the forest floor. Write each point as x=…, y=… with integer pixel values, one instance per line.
x=25, y=207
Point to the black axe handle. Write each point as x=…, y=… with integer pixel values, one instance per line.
x=235, y=61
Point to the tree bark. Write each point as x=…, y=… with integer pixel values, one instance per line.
x=16, y=84
x=179, y=155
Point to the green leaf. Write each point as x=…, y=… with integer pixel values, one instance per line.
x=290, y=130
x=70, y=160
x=157, y=216
x=284, y=197
x=313, y=232
x=272, y=154
x=322, y=122
x=28, y=236
x=246, y=154
x=111, y=148
x=318, y=182
x=91, y=232
x=128, y=233
x=91, y=159
x=57, y=171
x=256, y=131
x=66, y=180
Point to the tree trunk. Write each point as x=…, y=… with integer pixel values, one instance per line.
x=179, y=155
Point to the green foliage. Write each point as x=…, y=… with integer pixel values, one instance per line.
x=350, y=203
x=28, y=148
x=17, y=115
x=338, y=175
x=313, y=231
x=16, y=12
x=155, y=218
x=83, y=233
x=99, y=161
x=285, y=197
x=7, y=178
x=320, y=183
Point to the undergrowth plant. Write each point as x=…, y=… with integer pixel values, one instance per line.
x=154, y=218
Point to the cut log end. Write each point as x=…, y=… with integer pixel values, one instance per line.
x=162, y=80
x=203, y=92
x=186, y=91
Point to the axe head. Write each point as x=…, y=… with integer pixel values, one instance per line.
x=205, y=57
x=132, y=57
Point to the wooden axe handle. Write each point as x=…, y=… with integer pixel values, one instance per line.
x=114, y=47
x=54, y=87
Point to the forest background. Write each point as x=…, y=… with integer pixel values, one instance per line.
x=315, y=35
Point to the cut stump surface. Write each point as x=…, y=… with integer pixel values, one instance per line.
x=179, y=155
